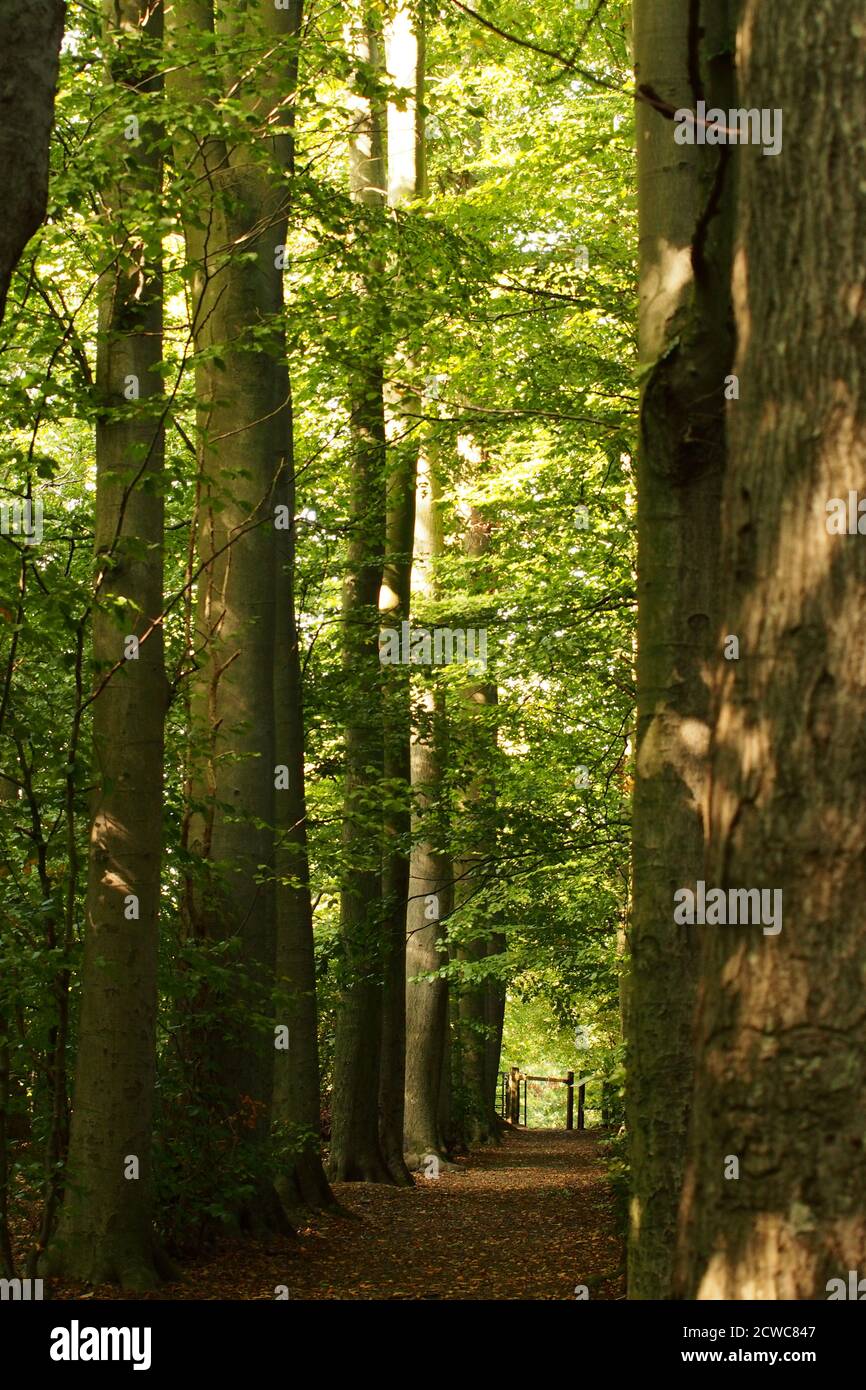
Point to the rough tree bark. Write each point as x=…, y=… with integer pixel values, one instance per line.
x=30, y=37
x=781, y=1078
x=682, y=54
x=105, y=1229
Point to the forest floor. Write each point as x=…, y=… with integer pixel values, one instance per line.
x=531, y=1218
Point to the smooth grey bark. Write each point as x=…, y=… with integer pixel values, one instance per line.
x=404, y=59
x=105, y=1229
x=479, y=1022
x=397, y=817
x=781, y=1074
x=30, y=37
x=430, y=884
x=682, y=53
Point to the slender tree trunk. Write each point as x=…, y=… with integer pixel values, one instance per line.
x=397, y=824
x=105, y=1228
x=685, y=346
x=296, y=1106
x=356, y=1154
x=477, y=1018
x=494, y=1020
x=452, y=1107
x=30, y=37
x=430, y=885
x=301, y=1180
x=404, y=57
x=479, y=1125
x=781, y=1085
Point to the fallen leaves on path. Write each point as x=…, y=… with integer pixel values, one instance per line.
x=531, y=1218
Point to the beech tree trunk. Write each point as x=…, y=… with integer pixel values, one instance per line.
x=356, y=1154
x=683, y=53
x=105, y=1228
x=301, y=1181
x=476, y=1012
x=235, y=225
x=494, y=1020
x=404, y=58
x=30, y=37
x=781, y=1077
x=430, y=883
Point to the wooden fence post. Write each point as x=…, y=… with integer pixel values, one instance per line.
x=569, y=1116
x=581, y=1100
x=514, y=1095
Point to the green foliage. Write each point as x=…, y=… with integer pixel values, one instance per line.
x=516, y=285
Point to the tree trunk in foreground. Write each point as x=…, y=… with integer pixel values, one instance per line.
x=30, y=37
x=781, y=1079
x=685, y=347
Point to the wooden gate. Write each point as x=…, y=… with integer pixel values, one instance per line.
x=515, y=1081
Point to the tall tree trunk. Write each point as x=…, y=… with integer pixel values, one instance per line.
x=781, y=1079
x=476, y=1014
x=404, y=57
x=301, y=1180
x=239, y=208
x=685, y=346
x=105, y=1228
x=356, y=1154
x=30, y=37
x=8, y=793
x=479, y=1123
x=430, y=884
x=494, y=1022
x=452, y=1114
